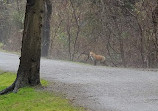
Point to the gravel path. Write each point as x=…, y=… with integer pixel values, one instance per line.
x=96, y=87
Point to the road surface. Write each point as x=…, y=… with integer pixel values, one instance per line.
x=96, y=87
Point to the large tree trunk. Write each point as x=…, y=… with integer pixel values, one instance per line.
x=29, y=68
x=46, y=28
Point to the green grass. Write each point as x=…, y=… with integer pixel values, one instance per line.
x=29, y=99
x=1, y=45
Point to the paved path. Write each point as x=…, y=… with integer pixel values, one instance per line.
x=96, y=87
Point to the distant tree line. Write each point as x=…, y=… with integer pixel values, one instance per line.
x=124, y=31
x=121, y=30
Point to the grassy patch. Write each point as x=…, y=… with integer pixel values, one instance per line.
x=28, y=99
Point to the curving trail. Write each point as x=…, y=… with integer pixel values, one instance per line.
x=96, y=87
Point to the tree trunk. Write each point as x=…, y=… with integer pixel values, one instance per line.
x=154, y=55
x=29, y=68
x=46, y=28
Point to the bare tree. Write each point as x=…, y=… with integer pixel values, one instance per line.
x=29, y=69
x=46, y=28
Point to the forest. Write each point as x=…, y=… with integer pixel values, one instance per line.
x=124, y=31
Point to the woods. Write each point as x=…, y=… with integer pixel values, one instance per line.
x=124, y=31
x=111, y=33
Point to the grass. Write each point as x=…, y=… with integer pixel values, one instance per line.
x=29, y=99
x=1, y=45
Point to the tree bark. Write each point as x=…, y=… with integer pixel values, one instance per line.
x=29, y=69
